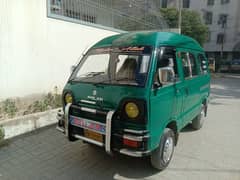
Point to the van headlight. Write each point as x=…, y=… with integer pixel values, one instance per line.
x=131, y=110
x=68, y=98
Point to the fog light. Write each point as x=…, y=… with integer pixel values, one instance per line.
x=68, y=98
x=132, y=110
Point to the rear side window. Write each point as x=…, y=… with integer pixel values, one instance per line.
x=193, y=64
x=203, y=63
x=189, y=64
x=185, y=64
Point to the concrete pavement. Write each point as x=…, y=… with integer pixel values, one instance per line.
x=210, y=153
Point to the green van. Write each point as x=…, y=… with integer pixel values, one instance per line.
x=132, y=93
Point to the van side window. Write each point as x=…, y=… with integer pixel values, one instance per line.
x=167, y=58
x=193, y=64
x=189, y=64
x=186, y=65
x=203, y=64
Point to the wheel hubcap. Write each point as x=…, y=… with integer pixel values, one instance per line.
x=202, y=116
x=168, y=149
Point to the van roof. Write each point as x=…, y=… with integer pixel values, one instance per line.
x=149, y=38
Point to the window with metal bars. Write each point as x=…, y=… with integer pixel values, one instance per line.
x=127, y=15
x=210, y=2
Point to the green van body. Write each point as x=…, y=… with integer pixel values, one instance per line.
x=173, y=105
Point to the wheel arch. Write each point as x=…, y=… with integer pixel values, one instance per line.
x=174, y=127
x=205, y=103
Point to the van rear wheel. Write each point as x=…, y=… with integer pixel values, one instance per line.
x=162, y=156
x=198, y=121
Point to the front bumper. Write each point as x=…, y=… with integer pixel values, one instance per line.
x=110, y=138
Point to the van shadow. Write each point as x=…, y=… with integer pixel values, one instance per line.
x=113, y=167
x=188, y=129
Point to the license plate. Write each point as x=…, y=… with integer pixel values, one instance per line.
x=93, y=135
x=88, y=124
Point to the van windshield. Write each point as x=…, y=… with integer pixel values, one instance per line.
x=125, y=66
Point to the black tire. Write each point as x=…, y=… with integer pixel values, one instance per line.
x=198, y=121
x=70, y=136
x=158, y=159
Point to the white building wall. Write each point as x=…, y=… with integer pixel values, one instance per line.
x=231, y=45
x=231, y=9
x=36, y=52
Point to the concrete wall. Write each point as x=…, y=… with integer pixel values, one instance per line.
x=36, y=52
x=23, y=124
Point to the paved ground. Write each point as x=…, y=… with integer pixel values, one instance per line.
x=208, y=154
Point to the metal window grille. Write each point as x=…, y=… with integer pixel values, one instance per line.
x=223, y=20
x=208, y=17
x=164, y=3
x=126, y=15
x=186, y=3
x=210, y=2
x=225, y=1
x=221, y=38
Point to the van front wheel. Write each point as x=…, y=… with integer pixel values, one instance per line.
x=198, y=121
x=162, y=156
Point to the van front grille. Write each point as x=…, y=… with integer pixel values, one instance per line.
x=99, y=116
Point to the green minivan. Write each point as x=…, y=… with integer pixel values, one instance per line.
x=132, y=93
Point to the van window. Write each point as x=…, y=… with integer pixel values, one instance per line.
x=144, y=65
x=189, y=64
x=120, y=66
x=186, y=65
x=167, y=58
x=203, y=64
x=193, y=64
x=95, y=64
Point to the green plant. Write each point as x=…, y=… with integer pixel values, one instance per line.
x=39, y=106
x=49, y=101
x=1, y=111
x=9, y=107
x=2, y=133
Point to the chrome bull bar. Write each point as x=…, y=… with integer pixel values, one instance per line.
x=65, y=130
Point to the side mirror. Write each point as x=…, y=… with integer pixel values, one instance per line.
x=72, y=68
x=166, y=75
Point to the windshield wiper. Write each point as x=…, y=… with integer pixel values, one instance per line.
x=100, y=82
x=86, y=76
x=121, y=79
x=92, y=74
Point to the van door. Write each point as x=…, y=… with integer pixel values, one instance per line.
x=182, y=88
x=190, y=87
x=165, y=102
